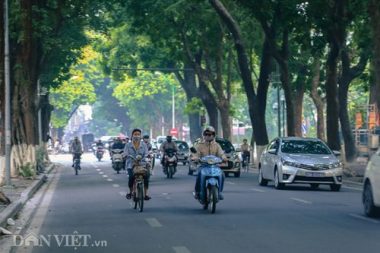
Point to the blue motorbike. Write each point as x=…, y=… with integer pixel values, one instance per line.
x=211, y=176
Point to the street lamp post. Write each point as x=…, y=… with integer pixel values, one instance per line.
x=7, y=98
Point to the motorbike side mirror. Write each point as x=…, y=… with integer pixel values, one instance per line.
x=193, y=150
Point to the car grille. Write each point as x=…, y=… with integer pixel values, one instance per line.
x=314, y=179
x=315, y=167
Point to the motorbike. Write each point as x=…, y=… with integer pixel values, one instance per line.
x=170, y=163
x=210, y=181
x=76, y=164
x=99, y=153
x=117, y=160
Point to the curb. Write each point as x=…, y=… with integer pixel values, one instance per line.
x=15, y=207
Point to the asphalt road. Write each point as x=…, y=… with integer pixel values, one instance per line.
x=90, y=210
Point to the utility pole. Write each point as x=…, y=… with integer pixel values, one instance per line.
x=7, y=98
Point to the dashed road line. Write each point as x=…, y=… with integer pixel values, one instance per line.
x=153, y=222
x=109, y=179
x=257, y=190
x=181, y=249
x=116, y=185
x=105, y=176
x=301, y=200
x=123, y=193
x=357, y=216
x=101, y=172
x=98, y=169
x=229, y=182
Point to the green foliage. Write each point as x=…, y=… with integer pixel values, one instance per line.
x=28, y=171
x=194, y=106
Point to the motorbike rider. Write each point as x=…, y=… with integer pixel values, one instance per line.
x=99, y=143
x=208, y=146
x=245, y=150
x=168, y=144
x=147, y=142
x=118, y=144
x=76, y=149
x=134, y=148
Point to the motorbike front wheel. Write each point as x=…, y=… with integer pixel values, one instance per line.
x=213, y=197
x=140, y=196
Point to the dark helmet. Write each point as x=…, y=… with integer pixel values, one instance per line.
x=136, y=130
x=209, y=129
x=169, y=138
x=146, y=136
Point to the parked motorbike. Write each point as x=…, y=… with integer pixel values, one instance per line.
x=150, y=160
x=99, y=153
x=170, y=163
x=117, y=160
x=210, y=181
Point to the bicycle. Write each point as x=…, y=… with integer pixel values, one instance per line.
x=245, y=162
x=76, y=163
x=138, y=190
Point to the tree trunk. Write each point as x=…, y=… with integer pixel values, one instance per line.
x=298, y=106
x=374, y=13
x=209, y=102
x=2, y=85
x=333, y=139
x=260, y=134
x=318, y=100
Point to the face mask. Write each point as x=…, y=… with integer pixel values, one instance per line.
x=209, y=138
x=136, y=138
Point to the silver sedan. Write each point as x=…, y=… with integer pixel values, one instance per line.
x=295, y=160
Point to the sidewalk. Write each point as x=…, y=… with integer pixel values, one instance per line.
x=20, y=192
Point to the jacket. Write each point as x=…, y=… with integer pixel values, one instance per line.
x=76, y=147
x=129, y=150
x=205, y=148
x=168, y=145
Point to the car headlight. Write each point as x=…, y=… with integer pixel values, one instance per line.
x=335, y=165
x=291, y=164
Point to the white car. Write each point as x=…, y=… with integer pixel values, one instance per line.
x=371, y=187
x=295, y=160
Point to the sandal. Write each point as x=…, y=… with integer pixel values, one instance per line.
x=129, y=195
x=147, y=197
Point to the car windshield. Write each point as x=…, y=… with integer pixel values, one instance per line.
x=226, y=146
x=304, y=147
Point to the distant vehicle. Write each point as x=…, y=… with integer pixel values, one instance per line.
x=183, y=151
x=161, y=139
x=371, y=187
x=232, y=166
x=295, y=160
x=87, y=140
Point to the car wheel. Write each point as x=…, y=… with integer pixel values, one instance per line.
x=277, y=183
x=237, y=174
x=262, y=180
x=184, y=163
x=335, y=187
x=314, y=186
x=370, y=209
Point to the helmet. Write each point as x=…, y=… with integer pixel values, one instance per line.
x=146, y=136
x=169, y=138
x=209, y=129
x=136, y=130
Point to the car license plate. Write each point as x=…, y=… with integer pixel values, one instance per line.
x=314, y=174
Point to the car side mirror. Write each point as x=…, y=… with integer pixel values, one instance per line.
x=272, y=151
x=193, y=150
x=336, y=153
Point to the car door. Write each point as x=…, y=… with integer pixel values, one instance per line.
x=375, y=180
x=268, y=161
x=272, y=159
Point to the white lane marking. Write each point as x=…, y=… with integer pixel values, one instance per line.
x=352, y=188
x=165, y=193
x=228, y=182
x=181, y=249
x=357, y=216
x=101, y=172
x=301, y=200
x=116, y=185
x=123, y=193
x=153, y=222
x=109, y=179
x=257, y=190
x=98, y=169
x=95, y=166
x=105, y=176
